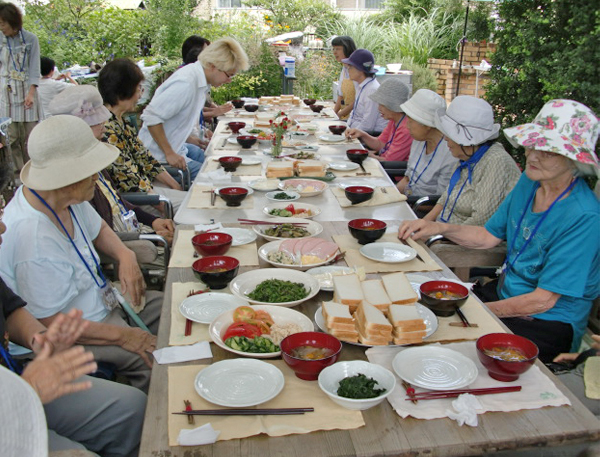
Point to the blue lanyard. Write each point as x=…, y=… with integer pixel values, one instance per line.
x=507, y=263
x=410, y=182
x=469, y=165
x=201, y=119
x=10, y=362
x=98, y=268
x=389, y=143
x=117, y=200
x=20, y=70
x=358, y=97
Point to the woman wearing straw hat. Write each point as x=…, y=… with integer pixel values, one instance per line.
x=49, y=254
x=394, y=142
x=550, y=224
x=485, y=173
x=430, y=163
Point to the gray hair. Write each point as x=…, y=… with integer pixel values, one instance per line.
x=583, y=169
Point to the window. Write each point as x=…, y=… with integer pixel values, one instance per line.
x=359, y=4
x=373, y=4
x=229, y=4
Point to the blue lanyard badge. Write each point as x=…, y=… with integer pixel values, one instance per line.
x=128, y=217
x=12, y=58
x=391, y=140
x=10, y=362
x=358, y=98
x=410, y=181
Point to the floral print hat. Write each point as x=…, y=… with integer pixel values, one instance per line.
x=565, y=127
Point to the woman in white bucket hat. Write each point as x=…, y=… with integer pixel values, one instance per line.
x=485, y=174
x=430, y=163
x=550, y=223
x=49, y=254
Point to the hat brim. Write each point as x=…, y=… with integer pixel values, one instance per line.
x=349, y=62
x=452, y=130
x=62, y=173
x=382, y=100
x=412, y=110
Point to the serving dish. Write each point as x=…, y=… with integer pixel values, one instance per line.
x=328, y=138
x=314, y=210
x=311, y=226
x=204, y=308
x=292, y=196
x=245, y=283
x=239, y=383
x=266, y=249
x=304, y=186
x=388, y=252
x=281, y=316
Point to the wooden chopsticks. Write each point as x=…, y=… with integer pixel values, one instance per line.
x=246, y=412
x=254, y=222
x=188, y=322
x=455, y=393
x=463, y=318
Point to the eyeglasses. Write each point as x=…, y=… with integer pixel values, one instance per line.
x=227, y=74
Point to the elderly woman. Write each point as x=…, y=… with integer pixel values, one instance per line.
x=120, y=84
x=343, y=47
x=49, y=255
x=394, y=142
x=485, y=173
x=430, y=163
x=365, y=114
x=550, y=223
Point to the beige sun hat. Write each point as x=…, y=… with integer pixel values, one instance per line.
x=468, y=121
x=64, y=151
x=423, y=106
x=85, y=102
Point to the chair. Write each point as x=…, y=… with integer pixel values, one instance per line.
x=143, y=198
x=422, y=205
x=183, y=177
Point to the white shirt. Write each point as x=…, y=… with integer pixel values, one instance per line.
x=432, y=173
x=40, y=264
x=365, y=115
x=176, y=104
x=48, y=89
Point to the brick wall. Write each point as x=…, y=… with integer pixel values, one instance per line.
x=446, y=71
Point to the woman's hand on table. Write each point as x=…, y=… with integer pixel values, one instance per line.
x=62, y=333
x=164, y=228
x=418, y=229
x=131, y=277
x=139, y=342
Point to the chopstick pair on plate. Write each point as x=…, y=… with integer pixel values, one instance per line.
x=246, y=412
x=253, y=222
x=436, y=395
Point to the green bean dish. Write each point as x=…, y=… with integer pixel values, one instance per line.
x=287, y=231
x=278, y=291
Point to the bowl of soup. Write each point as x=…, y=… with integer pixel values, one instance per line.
x=238, y=103
x=443, y=297
x=367, y=230
x=233, y=196
x=236, y=126
x=216, y=271
x=359, y=194
x=316, y=108
x=230, y=163
x=308, y=353
x=337, y=129
x=212, y=243
x=506, y=356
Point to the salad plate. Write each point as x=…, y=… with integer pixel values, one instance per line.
x=203, y=308
x=435, y=368
x=239, y=383
x=280, y=315
x=388, y=252
x=301, y=210
x=314, y=228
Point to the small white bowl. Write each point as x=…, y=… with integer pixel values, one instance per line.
x=331, y=376
x=290, y=193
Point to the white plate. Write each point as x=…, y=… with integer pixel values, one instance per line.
x=308, y=147
x=332, y=138
x=299, y=135
x=239, y=383
x=246, y=131
x=343, y=166
x=265, y=249
x=311, y=226
x=240, y=236
x=315, y=210
x=218, y=189
x=280, y=315
x=326, y=273
x=251, y=161
x=291, y=193
x=245, y=283
x=388, y=252
x=205, y=307
x=430, y=319
x=434, y=368
x=306, y=187
x=264, y=185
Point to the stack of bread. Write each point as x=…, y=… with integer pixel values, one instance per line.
x=280, y=170
x=383, y=310
x=339, y=321
x=307, y=168
x=281, y=100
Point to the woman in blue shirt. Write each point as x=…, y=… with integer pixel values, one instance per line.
x=550, y=222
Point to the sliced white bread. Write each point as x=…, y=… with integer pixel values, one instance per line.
x=399, y=289
x=351, y=337
x=375, y=294
x=409, y=337
x=372, y=324
x=310, y=168
x=336, y=313
x=347, y=290
x=373, y=340
x=280, y=169
x=406, y=318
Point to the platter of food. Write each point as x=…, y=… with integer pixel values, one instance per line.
x=239, y=383
x=256, y=331
x=305, y=187
x=287, y=230
x=302, y=254
x=299, y=210
x=275, y=286
x=203, y=308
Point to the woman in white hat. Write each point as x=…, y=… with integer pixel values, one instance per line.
x=394, y=142
x=49, y=255
x=550, y=224
x=485, y=174
x=430, y=163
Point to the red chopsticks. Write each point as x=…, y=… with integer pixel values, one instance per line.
x=436, y=395
x=188, y=327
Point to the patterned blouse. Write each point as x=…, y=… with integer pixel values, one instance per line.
x=135, y=168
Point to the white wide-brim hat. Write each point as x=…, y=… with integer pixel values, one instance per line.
x=64, y=151
x=85, y=102
x=468, y=121
x=423, y=106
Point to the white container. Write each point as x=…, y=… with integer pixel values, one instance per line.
x=290, y=67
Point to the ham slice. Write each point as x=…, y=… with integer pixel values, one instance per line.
x=311, y=244
x=323, y=250
x=287, y=246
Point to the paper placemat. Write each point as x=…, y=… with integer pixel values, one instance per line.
x=242, y=170
x=354, y=258
x=380, y=197
x=200, y=199
x=537, y=391
x=295, y=394
x=182, y=255
x=177, y=333
x=371, y=165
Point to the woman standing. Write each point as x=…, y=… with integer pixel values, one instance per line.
x=19, y=78
x=343, y=47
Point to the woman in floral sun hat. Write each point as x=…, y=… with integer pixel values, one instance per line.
x=550, y=222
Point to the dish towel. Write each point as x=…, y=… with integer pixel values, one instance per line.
x=176, y=354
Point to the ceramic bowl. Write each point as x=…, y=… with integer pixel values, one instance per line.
x=309, y=101
x=316, y=108
x=359, y=194
x=246, y=141
x=357, y=155
x=238, y=103
x=216, y=271
x=212, y=243
x=337, y=129
x=236, y=126
x=251, y=108
x=233, y=196
x=230, y=163
x=367, y=230
x=443, y=307
x=309, y=369
x=503, y=369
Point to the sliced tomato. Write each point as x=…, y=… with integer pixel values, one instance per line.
x=290, y=208
x=262, y=326
x=264, y=316
x=242, y=329
x=243, y=314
